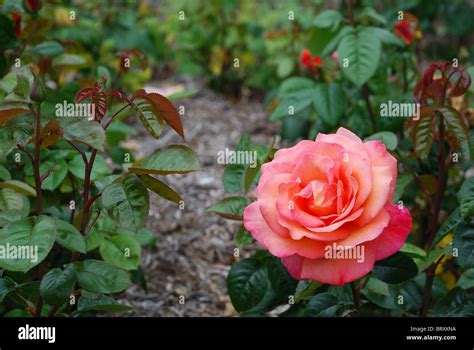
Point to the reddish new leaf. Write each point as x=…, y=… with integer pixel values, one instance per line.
x=164, y=109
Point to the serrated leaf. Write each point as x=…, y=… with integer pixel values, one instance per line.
x=172, y=159
x=466, y=198
x=388, y=138
x=48, y=48
x=458, y=128
x=57, y=285
x=329, y=102
x=385, y=36
x=395, y=269
x=37, y=235
x=163, y=109
x=121, y=251
x=422, y=133
x=161, y=189
x=88, y=132
x=464, y=242
x=100, y=277
x=247, y=284
x=19, y=186
x=10, y=200
x=127, y=202
x=230, y=207
x=322, y=305
x=449, y=225
x=69, y=237
x=328, y=19
x=103, y=303
x=363, y=53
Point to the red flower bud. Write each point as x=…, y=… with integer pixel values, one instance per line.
x=312, y=63
x=404, y=31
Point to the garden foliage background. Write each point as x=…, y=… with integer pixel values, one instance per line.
x=244, y=75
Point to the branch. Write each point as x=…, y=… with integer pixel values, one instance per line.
x=108, y=121
x=36, y=160
x=356, y=298
x=81, y=152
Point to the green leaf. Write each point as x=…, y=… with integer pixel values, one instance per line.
x=395, y=269
x=234, y=177
x=145, y=237
x=247, y=284
x=291, y=106
x=4, y=173
x=385, y=36
x=161, y=189
x=19, y=187
x=121, y=251
x=80, y=129
x=458, y=129
x=127, y=202
x=11, y=200
x=285, y=66
x=377, y=286
x=77, y=168
x=9, y=216
x=403, y=180
x=363, y=53
x=454, y=304
x=280, y=280
x=422, y=135
x=322, y=305
x=464, y=242
x=294, y=85
x=466, y=281
x=34, y=236
x=243, y=237
x=328, y=19
x=230, y=207
x=56, y=177
x=172, y=159
x=69, y=237
x=329, y=102
x=449, y=225
x=57, y=285
x=331, y=46
x=103, y=303
x=388, y=138
x=6, y=286
x=67, y=59
x=47, y=48
x=413, y=251
x=22, y=88
x=94, y=239
x=100, y=277
x=145, y=110
x=466, y=198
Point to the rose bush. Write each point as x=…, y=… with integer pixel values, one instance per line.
x=335, y=190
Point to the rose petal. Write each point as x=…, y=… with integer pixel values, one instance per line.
x=394, y=235
x=276, y=245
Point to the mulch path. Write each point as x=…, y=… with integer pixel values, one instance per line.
x=194, y=249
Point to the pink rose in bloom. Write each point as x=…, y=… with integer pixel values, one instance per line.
x=324, y=207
